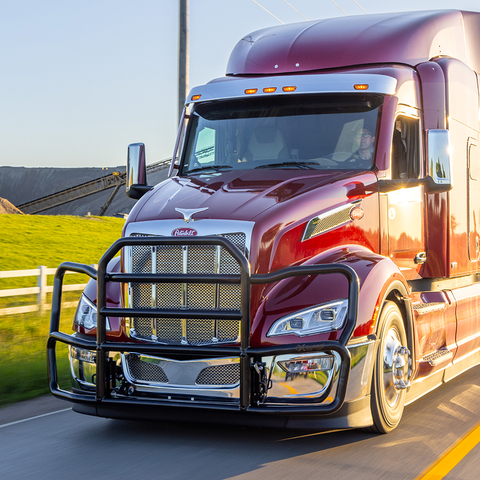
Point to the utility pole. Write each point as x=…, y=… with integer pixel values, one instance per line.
x=183, y=56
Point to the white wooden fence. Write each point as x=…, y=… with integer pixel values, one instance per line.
x=40, y=290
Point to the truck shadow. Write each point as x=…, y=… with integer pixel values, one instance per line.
x=178, y=450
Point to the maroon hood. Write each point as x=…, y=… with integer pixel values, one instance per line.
x=243, y=195
x=279, y=202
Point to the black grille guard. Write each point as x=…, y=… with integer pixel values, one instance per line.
x=245, y=352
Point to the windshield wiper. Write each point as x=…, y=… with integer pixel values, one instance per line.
x=288, y=164
x=209, y=167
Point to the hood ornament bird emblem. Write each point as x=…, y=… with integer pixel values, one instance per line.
x=189, y=212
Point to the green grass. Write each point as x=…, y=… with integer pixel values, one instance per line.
x=23, y=340
x=26, y=242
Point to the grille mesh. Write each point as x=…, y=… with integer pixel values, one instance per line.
x=145, y=371
x=219, y=375
x=169, y=329
x=332, y=221
x=169, y=258
x=327, y=222
x=227, y=331
x=192, y=259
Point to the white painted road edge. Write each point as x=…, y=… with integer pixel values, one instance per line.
x=34, y=418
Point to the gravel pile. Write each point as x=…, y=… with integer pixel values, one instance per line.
x=7, y=207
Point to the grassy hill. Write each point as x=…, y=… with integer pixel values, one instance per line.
x=26, y=242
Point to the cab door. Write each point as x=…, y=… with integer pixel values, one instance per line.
x=406, y=239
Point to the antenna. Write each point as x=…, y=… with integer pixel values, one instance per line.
x=183, y=56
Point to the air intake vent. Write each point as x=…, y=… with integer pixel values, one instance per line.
x=329, y=220
x=219, y=375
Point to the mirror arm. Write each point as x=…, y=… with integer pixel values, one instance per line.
x=385, y=186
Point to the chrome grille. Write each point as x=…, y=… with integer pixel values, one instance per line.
x=219, y=375
x=192, y=259
x=145, y=371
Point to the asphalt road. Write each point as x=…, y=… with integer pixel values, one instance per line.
x=44, y=439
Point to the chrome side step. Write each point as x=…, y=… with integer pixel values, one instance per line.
x=425, y=308
x=438, y=357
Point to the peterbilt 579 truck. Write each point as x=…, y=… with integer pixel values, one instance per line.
x=313, y=258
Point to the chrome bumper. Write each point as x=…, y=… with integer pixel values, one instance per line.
x=218, y=379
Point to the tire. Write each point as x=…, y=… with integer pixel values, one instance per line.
x=391, y=372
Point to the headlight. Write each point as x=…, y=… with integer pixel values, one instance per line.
x=86, y=314
x=323, y=318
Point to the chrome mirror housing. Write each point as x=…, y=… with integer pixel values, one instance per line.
x=439, y=162
x=136, y=182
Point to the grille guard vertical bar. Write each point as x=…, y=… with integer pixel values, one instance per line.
x=245, y=279
x=55, y=334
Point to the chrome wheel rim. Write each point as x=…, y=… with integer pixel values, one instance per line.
x=392, y=344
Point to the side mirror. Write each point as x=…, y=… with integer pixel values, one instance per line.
x=136, y=171
x=439, y=162
x=439, y=168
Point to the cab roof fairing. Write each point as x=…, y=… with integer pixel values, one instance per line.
x=305, y=84
x=406, y=38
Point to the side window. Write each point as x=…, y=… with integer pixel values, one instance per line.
x=205, y=147
x=405, y=148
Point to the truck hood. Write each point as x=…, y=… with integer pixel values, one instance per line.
x=244, y=195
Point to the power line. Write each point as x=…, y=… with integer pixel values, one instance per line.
x=296, y=10
x=255, y=1
x=337, y=7
x=360, y=6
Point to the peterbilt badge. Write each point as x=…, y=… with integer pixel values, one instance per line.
x=184, y=232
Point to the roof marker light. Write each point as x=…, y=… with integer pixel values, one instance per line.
x=251, y=91
x=289, y=89
x=269, y=89
x=361, y=86
x=195, y=97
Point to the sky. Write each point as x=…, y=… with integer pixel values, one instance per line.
x=80, y=80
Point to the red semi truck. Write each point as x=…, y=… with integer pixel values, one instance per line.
x=313, y=258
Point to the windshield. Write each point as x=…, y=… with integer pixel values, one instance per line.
x=306, y=132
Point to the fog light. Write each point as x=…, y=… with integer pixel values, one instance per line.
x=83, y=355
x=306, y=365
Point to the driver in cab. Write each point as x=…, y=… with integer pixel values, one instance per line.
x=363, y=156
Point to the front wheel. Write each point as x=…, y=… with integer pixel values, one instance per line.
x=392, y=371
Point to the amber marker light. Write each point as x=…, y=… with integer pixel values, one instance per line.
x=357, y=213
x=289, y=89
x=251, y=91
x=269, y=89
x=361, y=86
x=195, y=97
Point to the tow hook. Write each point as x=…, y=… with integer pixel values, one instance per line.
x=263, y=384
x=125, y=388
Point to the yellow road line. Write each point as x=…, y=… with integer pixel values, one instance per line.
x=452, y=456
x=288, y=387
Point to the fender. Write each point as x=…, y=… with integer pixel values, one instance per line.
x=379, y=278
